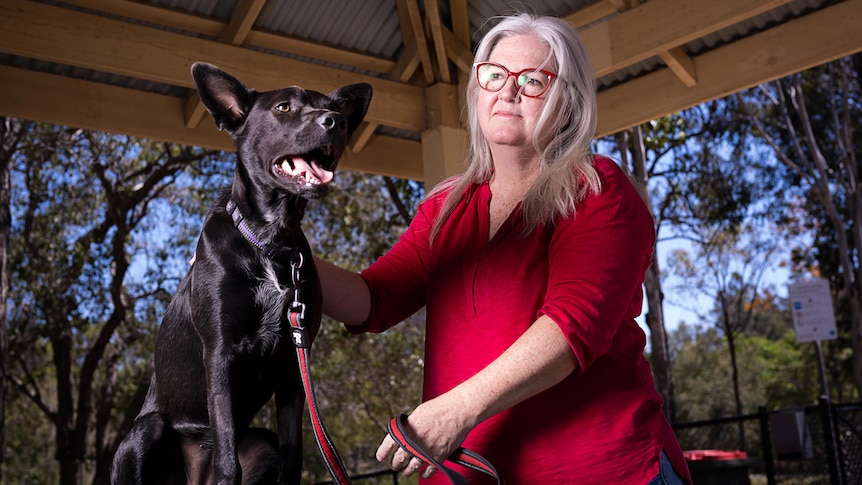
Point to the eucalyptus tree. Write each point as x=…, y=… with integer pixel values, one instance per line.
x=812, y=124
x=101, y=228
x=11, y=132
x=642, y=151
x=673, y=162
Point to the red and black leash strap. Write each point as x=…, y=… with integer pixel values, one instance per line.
x=461, y=456
x=296, y=317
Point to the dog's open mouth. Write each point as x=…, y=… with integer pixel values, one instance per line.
x=302, y=171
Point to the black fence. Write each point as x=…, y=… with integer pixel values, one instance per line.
x=382, y=477
x=810, y=445
x=818, y=444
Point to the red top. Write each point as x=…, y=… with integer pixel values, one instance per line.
x=603, y=423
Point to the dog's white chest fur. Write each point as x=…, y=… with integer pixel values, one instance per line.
x=272, y=297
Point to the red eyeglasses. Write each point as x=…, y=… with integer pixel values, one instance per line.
x=532, y=82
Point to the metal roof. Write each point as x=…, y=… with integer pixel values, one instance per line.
x=669, y=50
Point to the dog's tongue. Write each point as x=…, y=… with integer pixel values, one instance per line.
x=309, y=170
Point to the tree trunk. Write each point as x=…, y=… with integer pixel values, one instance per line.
x=654, y=318
x=731, y=343
x=7, y=138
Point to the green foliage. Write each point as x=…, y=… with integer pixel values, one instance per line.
x=90, y=270
x=776, y=374
x=810, y=123
x=103, y=229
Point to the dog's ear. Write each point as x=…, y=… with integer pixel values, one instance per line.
x=226, y=98
x=352, y=101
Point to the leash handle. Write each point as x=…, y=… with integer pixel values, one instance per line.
x=461, y=456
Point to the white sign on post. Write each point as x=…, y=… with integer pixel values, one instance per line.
x=813, y=314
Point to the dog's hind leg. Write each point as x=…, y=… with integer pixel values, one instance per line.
x=148, y=454
x=258, y=456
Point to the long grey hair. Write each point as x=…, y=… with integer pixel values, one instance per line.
x=567, y=174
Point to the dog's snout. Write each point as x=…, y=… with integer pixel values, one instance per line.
x=330, y=121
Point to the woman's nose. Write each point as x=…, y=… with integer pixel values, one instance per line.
x=510, y=90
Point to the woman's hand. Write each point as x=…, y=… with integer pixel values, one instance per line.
x=439, y=426
x=539, y=359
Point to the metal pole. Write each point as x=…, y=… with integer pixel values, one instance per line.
x=835, y=471
x=821, y=370
x=766, y=440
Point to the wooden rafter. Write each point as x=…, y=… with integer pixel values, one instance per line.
x=435, y=26
x=84, y=40
x=460, y=21
x=214, y=28
x=590, y=13
x=660, y=25
x=235, y=33
x=162, y=56
x=739, y=65
x=681, y=64
x=413, y=33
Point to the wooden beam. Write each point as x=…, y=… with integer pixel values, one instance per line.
x=443, y=105
x=362, y=136
x=760, y=58
x=411, y=22
x=95, y=106
x=193, y=110
x=676, y=59
x=385, y=155
x=406, y=65
x=152, y=14
x=660, y=25
x=590, y=13
x=457, y=51
x=444, y=142
x=444, y=151
x=244, y=15
x=85, y=104
x=681, y=64
x=460, y=21
x=432, y=12
x=243, y=18
x=54, y=34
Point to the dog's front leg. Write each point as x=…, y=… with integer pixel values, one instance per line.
x=220, y=406
x=290, y=401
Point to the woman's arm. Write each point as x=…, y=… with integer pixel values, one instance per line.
x=538, y=360
x=346, y=297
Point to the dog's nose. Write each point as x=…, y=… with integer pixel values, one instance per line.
x=330, y=121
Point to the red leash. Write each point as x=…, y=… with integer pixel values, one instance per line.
x=461, y=456
x=296, y=317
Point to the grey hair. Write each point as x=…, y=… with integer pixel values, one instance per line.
x=566, y=126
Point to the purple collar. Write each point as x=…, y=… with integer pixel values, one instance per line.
x=239, y=222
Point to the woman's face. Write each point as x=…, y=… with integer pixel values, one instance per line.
x=506, y=117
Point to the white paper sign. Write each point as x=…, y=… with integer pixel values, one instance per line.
x=813, y=314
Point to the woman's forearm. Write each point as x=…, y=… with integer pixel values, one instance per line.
x=346, y=297
x=538, y=360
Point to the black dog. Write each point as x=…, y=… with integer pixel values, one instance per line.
x=224, y=346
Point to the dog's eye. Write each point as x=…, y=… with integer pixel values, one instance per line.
x=282, y=107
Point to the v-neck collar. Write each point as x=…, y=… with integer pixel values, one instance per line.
x=505, y=228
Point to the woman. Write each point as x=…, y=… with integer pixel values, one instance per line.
x=530, y=267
